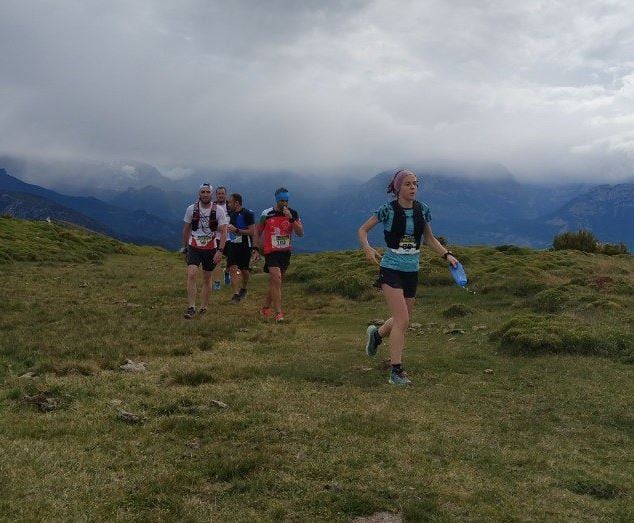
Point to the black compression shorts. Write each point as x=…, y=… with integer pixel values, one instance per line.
x=408, y=281
x=281, y=259
x=238, y=254
x=205, y=257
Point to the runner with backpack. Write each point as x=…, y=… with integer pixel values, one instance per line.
x=277, y=225
x=204, y=238
x=405, y=222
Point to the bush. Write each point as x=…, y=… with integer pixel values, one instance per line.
x=456, y=310
x=193, y=378
x=512, y=249
x=532, y=334
x=559, y=298
x=582, y=240
x=613, y=249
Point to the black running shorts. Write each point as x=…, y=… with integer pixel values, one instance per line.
x=408, y=281
x=281, y=259
x=239, y=254
x=197, y=256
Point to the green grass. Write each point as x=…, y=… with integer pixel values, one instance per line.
x=23, y=240
x=312, y=431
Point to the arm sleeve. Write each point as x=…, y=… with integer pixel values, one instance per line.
x=249, y=218
x=383, y=213
x=426, y=213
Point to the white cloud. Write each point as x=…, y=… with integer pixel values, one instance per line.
x=540, y=86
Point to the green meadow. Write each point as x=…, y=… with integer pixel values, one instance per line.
x=521, y=408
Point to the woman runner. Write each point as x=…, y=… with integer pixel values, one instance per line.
x=405, y=220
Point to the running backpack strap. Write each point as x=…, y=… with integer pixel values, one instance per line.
x=213, y=220
x=394, y=235
x=419, y=223
x=195, y=217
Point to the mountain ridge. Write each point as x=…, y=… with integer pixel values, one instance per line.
x=121, y=223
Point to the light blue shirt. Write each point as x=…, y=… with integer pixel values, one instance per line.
x=406, y=262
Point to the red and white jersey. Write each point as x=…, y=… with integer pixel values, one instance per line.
x=277, y=230
x=204, y=237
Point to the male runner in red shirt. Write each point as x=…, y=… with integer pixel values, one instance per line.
x=275, y=228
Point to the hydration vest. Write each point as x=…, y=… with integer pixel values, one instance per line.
x=213, y=221
x=394, y=236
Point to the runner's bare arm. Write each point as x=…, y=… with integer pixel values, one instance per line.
x=221, y=244
x=370, y=254
x=254, y=236
x=298, y=228
x=436, y=246
x=187, y=230
x=254, y=242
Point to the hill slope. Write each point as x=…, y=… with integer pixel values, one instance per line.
x=244, y=420
x=54, y=243
x=30, y=207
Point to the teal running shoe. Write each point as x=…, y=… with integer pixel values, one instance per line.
x=374, y=340
x=399, y=378
x=216, y=285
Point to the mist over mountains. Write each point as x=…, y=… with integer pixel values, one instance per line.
x=470, y=206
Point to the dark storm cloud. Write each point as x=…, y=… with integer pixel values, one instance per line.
x=543, y=87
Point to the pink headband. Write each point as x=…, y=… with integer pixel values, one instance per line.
x=397, y=181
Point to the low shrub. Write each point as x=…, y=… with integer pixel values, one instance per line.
x=193, y=378
x=596, y=488
x=558, y=298
x=512, y=249
x=613, y=249
x=531, y=334
x=581, y=240
x=456, y=310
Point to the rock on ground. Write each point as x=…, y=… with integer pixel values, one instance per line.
x=130, y=366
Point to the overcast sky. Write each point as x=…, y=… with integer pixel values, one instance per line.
x=542, y=87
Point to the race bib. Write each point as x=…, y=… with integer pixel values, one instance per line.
x=407, y=243
x=203, y=241
x=281, y=242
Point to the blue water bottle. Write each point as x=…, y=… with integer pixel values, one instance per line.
x=459, y=276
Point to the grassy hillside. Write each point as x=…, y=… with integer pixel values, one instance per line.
x=521, y=407
x=25, y=240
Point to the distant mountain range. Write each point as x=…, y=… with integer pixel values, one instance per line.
x=471, y=208
x=136, y=226
x=30, y=207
